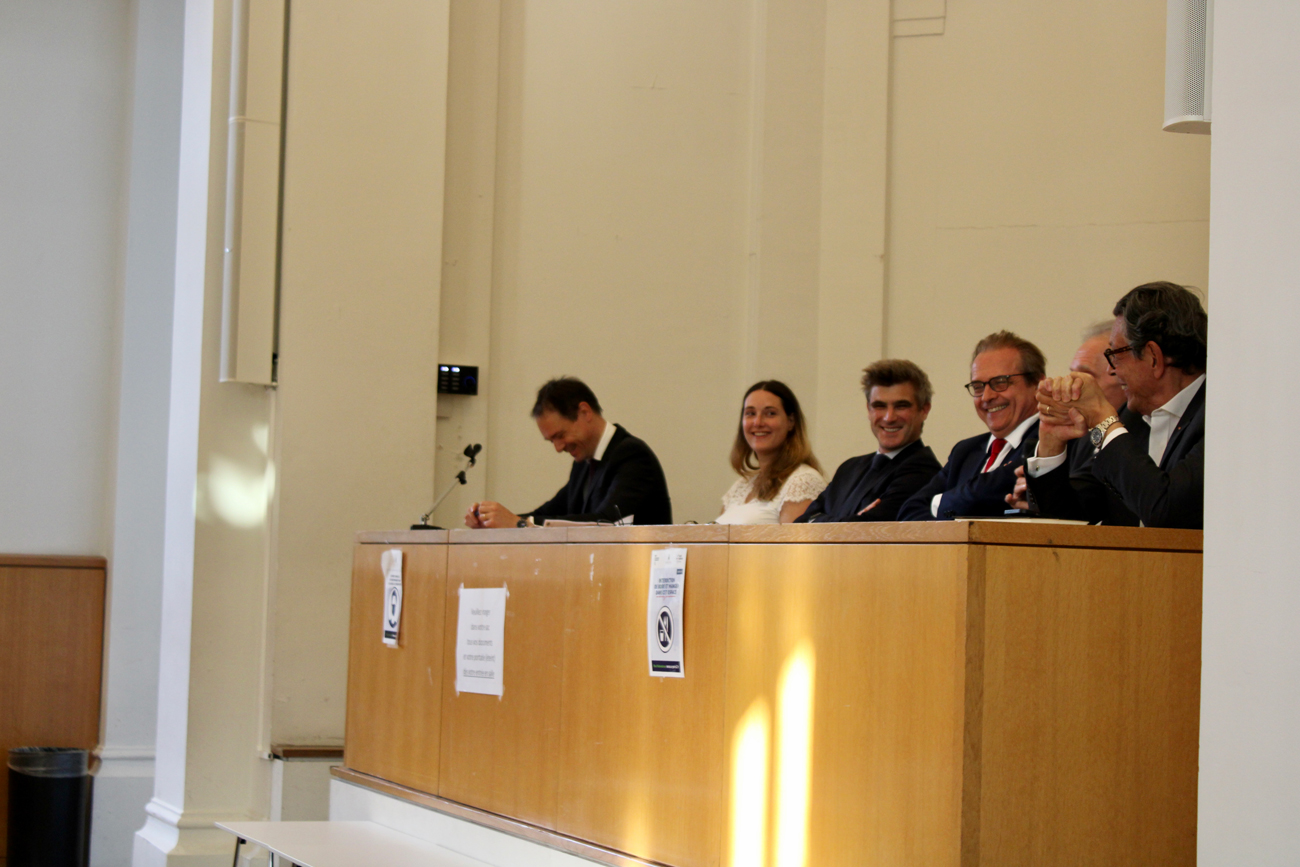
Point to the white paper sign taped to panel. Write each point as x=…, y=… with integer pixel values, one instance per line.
x=390, y=563
x=480, y=640
x=664, y=613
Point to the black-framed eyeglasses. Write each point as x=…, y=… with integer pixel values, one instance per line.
x=1118, y=350
x=998, y=383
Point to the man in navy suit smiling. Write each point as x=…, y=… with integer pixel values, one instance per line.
x=1005, y=372
x=873, y=487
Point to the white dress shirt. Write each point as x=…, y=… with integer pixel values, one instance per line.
x=1164, y=420
x=599, y=453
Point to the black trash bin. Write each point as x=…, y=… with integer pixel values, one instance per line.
x=49, y=807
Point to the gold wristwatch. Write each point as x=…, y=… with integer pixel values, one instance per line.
x=1098, y=433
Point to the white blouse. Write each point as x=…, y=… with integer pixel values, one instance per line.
x=804, y=483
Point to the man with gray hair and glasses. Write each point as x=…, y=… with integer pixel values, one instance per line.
x=1157, y=354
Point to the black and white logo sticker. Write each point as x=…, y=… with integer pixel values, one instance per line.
x=665, y=629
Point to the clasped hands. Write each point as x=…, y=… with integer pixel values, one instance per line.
x=1067, y=407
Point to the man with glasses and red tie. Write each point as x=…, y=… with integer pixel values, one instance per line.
x=1157, y=353
x=1005, y=372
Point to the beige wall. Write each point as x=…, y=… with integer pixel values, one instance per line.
x=688, y=197
x=672, y=200
x=360, y=285
x=1031, y=184
x=666, y=197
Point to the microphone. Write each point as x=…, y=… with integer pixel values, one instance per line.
x=471, y=455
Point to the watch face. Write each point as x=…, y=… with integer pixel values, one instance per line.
x=1096, y=435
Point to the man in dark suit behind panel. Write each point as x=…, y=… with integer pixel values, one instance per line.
x=873, y=487
x=1083, y=498
x=615, y=476
x=1005, y=371
x=1157, y=352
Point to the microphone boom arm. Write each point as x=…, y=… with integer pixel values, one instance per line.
x=471, y=452
x=459, y=480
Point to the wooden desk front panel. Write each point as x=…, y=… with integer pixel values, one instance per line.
x=642, y=757
x=502, y=754
x=1091, y=707
x=394, y=693
x=845, y=681
x=51, y=653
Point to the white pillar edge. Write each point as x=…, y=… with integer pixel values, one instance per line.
x=169, y=837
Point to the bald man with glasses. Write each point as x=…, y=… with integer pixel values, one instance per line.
x=1005, y=372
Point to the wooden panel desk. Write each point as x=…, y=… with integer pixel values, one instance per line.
x=961, y=693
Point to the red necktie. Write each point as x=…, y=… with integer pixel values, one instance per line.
x=994, y=451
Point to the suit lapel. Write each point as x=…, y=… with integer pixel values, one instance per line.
x=591, y=483
x=974, y=460
x=868, y=479
x=1188, y=419
x=979, y=455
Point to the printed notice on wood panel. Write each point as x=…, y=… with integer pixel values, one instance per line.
x=480, y=640
x=664, y=613
x=390, y=563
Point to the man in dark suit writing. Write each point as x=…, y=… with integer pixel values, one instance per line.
x=1005, y=371
x=873, y=487
x=615, y=476
x=1157, y=353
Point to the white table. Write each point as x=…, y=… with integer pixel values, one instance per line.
x=346, y=844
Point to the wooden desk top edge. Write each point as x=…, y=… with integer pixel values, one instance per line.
x=52, y=561
x=496, y=822
x=992, y=532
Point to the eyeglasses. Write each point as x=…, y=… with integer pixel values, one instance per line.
x=1111, y=353
x=998, y=383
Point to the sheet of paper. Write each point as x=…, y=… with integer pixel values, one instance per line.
x=625, y=521
x=480, y=640
x=390, y=563
x=663, y=612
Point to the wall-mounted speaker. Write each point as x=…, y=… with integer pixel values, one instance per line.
x=1189, y=37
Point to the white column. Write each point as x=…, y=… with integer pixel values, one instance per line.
x=209, y=764
x=1250, y=704
x=125, y=779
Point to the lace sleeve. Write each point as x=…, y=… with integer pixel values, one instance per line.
x=804, y=483
x=736, y=494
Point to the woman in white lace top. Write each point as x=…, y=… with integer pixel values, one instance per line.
x=779, y=476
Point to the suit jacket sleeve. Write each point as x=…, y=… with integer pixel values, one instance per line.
x=967, y=491
x=980, y=494
x=1070, y=491
x=817, y=510
x=558, y=505
x=903, y=484
x=1160, y=498
x=917, y=506
x=1058, y=495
